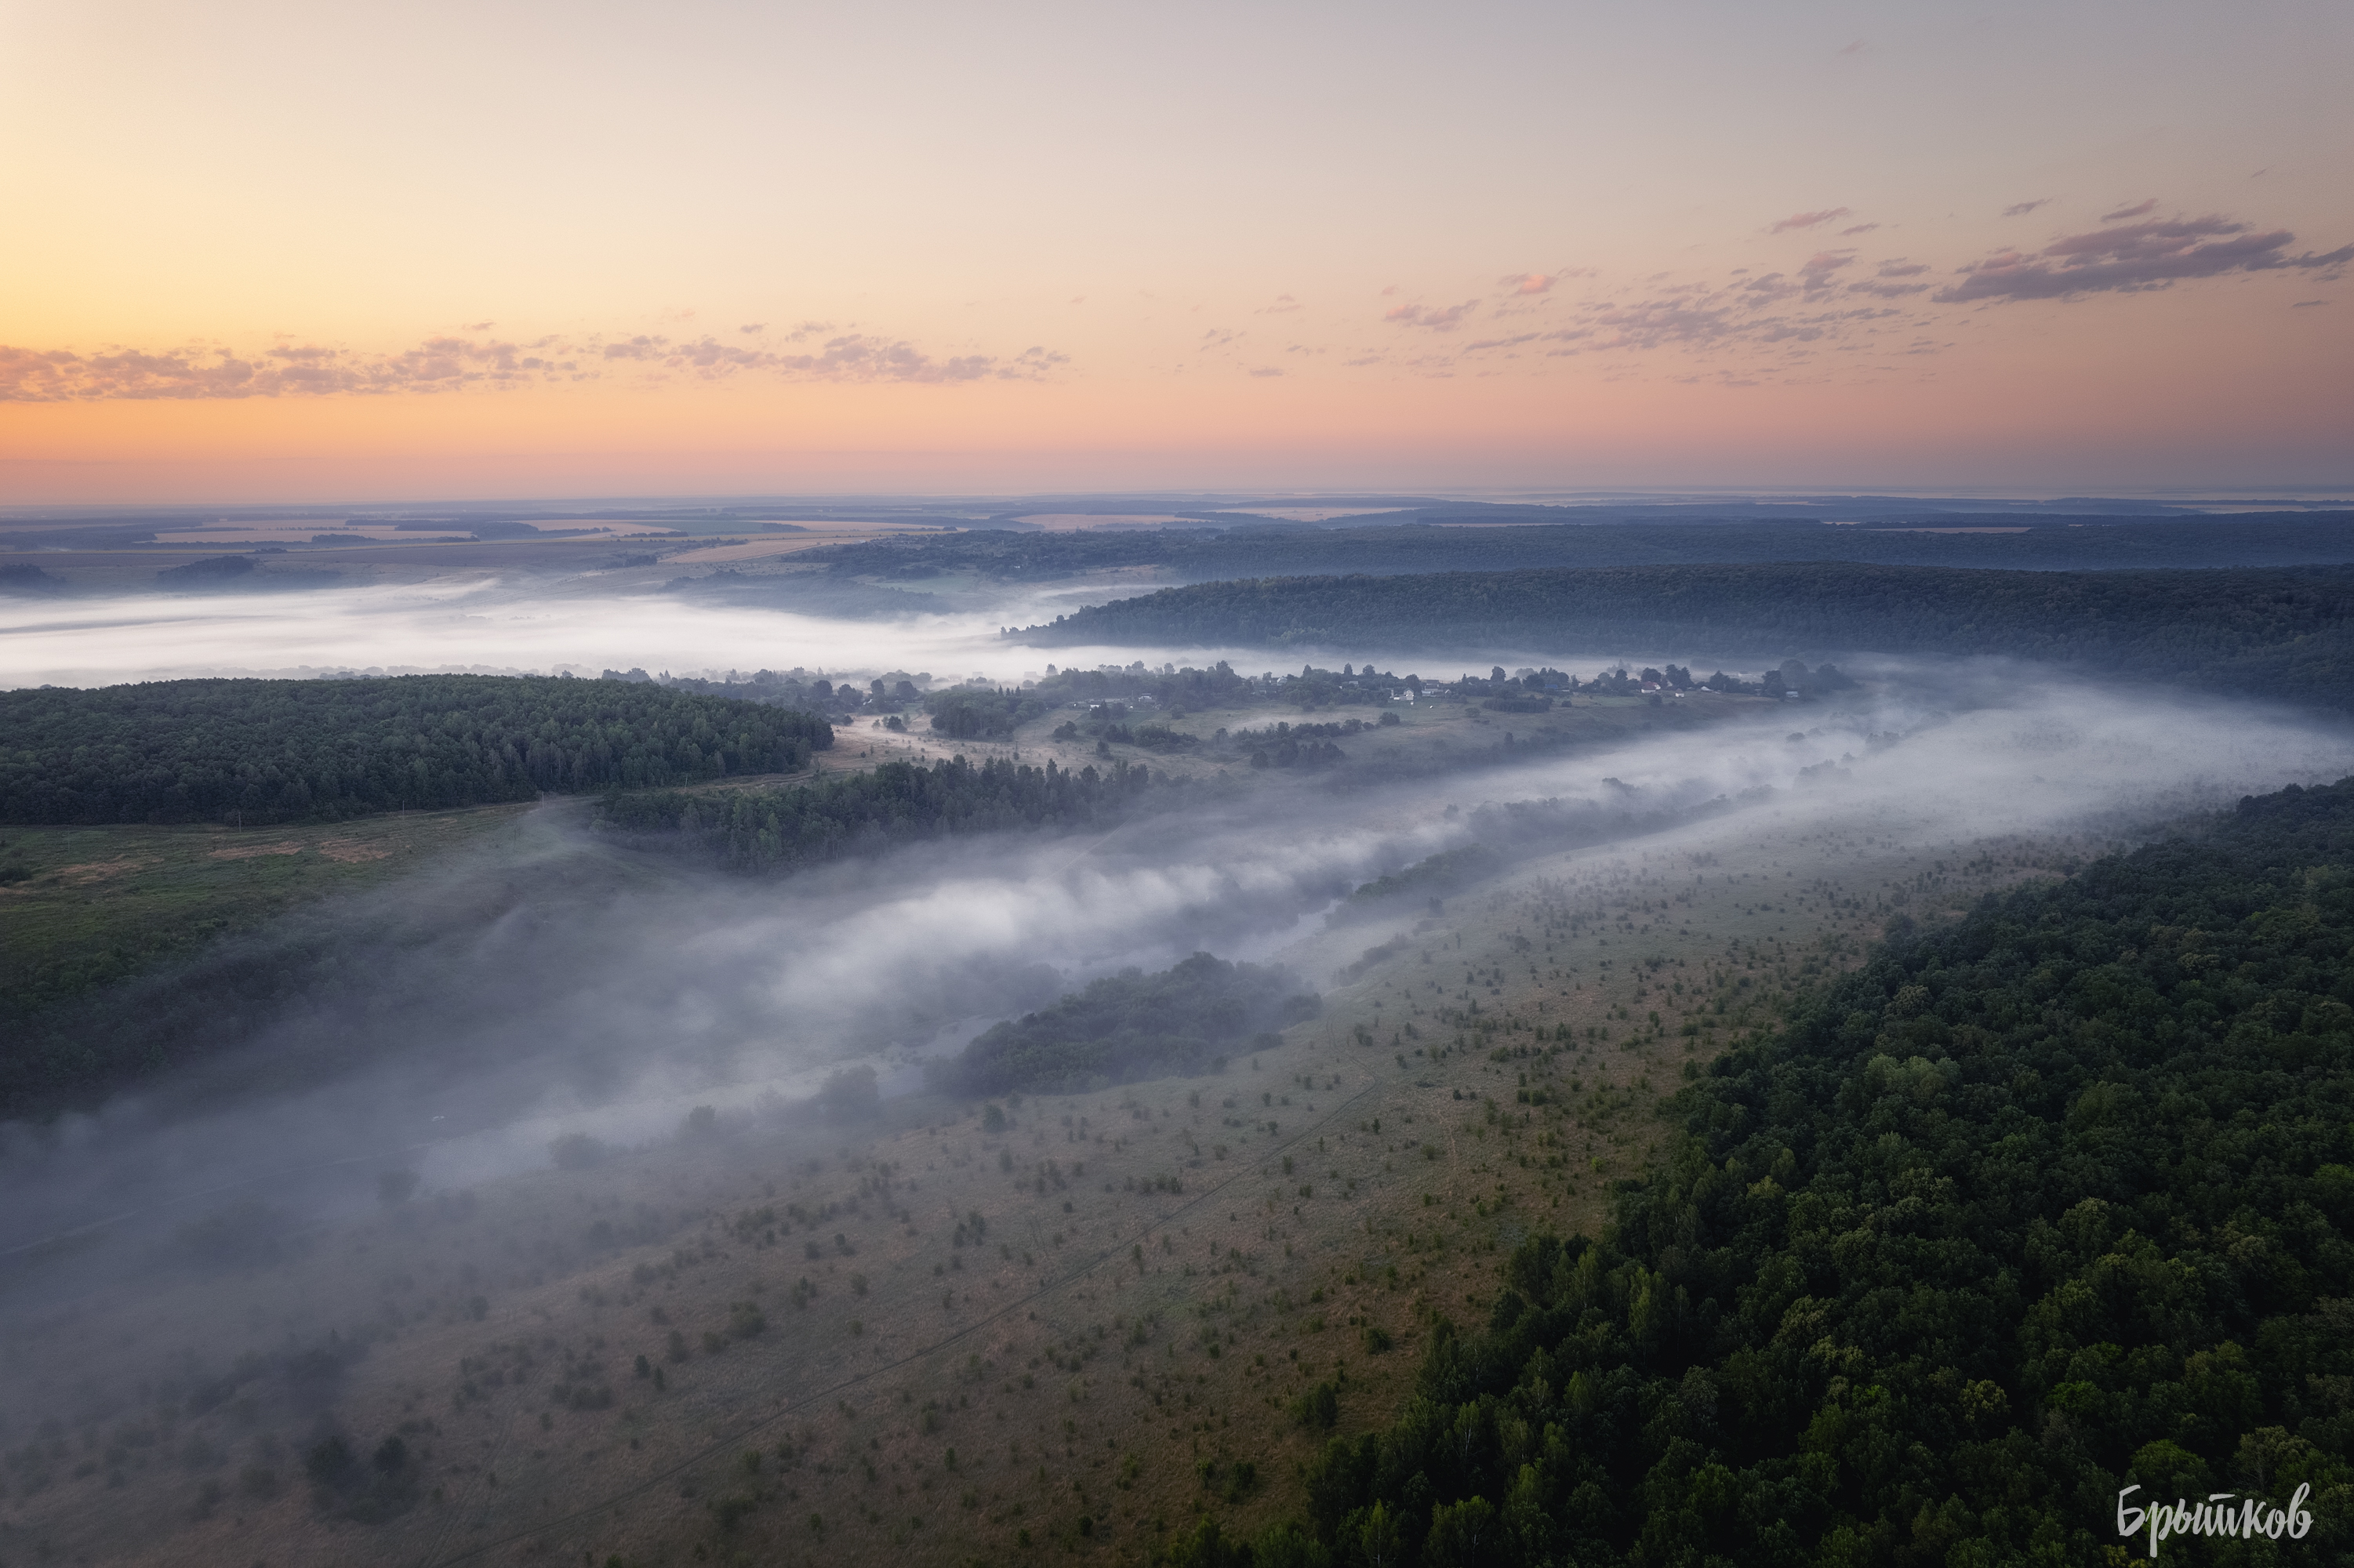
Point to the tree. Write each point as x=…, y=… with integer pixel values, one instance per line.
x=1460, y=1534
x=1380, y=1539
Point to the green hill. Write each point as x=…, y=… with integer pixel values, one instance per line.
x=2282, y=632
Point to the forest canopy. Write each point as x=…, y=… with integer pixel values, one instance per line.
x=1130, y=1026
x=893, y=803
x=2054, y=1203
x=281, y=751
x=1509, y=538
x=2279, y=632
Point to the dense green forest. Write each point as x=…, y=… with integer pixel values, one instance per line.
x=2054, y=1203
x=2280, y=633
x=279, y=751
x=797, y=689
x=966, y=712
x=1512, y=540
x=895, y=804
x=1129, y=1025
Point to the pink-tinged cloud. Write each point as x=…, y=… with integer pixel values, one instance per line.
x=451, y=364
x=2133, y=259
x=1284, y=305
x=1437, y=318
x=1267, y=370
x=1809, y=219
x=1825, y=261
x=2133, y=211
x=1900, y=268
x=1716, y=323
x=1528, y=282
x=1859, y=228
x=2022, y=208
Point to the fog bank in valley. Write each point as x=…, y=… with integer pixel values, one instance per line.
x=457, y=1023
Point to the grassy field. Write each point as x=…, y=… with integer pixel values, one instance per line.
x=942, y=1336
x=84, y=908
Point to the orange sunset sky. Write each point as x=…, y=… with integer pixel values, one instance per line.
x=275, y=253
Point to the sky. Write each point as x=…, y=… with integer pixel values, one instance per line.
x=290, y=252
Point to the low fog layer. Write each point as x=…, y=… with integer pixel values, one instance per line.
x=492, y=626
x=477, y=1012
x=450, y=625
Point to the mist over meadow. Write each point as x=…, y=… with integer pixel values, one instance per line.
x=461, y=1019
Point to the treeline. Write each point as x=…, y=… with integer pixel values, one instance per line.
x=892, y=804
x=797, y=689
x=278, y=751
x=1442, y=872
x=2056, y=1202
x=1177, y=691
x=1132, y=1026
x=969, y=713
x=1590, y=539
x=2287, y=633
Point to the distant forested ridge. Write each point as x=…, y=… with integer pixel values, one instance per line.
x=1130, y=1026
x=1498, y=539
x=2285, y=632
x=279, y=751
x=2054, y=1202
x=895, y=804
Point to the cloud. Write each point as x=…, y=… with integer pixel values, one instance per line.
x=2133, y=211
x=1859, y=228
x=1809, y=219
x=1267, y=370
x=480, y=326
x=1528, y=282
x=2134, y=259
x=441, y=365
x=1437, y=318
x=2307, y=304
x=2022, y=208
x=1284, y=305
x=752, y=329
x=1856, y=48
x=1885, y=285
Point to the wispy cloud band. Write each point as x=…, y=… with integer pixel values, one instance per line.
x=2133, y=258
x=442, y=365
